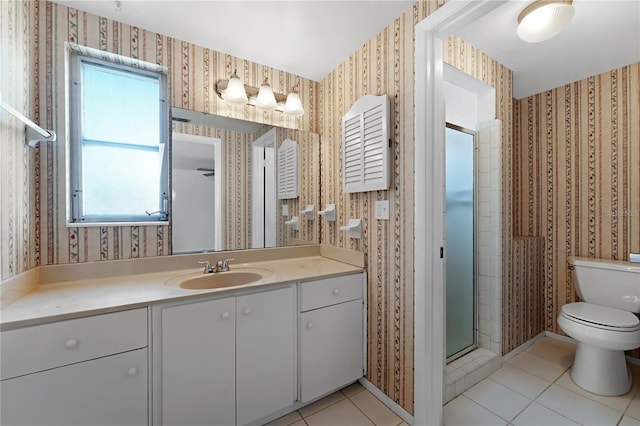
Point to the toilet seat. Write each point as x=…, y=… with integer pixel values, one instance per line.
x=601, y=317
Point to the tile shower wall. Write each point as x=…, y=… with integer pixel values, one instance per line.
x=577, y=178
x=489, y=236
x=193, y=71
x=18, y=207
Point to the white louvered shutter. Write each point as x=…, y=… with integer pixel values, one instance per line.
x=288, y=170
x=365, y=145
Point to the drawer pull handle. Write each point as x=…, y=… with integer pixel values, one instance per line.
x=309, y=325
x=71, y=344
x=226, y=315
x=336, y=291
x=132, y=372
x=246, y=311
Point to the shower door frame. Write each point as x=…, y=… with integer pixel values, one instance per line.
x=474, y=345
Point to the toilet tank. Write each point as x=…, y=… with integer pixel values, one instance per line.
x=610, y=283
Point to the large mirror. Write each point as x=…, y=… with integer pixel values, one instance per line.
x=227, y=184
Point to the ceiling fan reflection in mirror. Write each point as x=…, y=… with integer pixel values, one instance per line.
x=209, y=172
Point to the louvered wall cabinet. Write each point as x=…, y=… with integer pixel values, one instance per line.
x=366, y=145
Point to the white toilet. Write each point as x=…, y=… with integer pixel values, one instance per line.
x=603, y=324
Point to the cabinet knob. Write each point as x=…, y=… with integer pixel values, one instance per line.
x=336, y=291
x=246, y=311
x=309, y=325
x=71, y=343
x=226, y=315
x=133, y=371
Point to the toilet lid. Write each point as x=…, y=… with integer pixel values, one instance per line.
x=601, y=315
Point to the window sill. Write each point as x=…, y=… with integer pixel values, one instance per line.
x=100, y=224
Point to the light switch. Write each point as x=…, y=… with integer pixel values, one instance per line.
x=382, y=209
x=285, y=210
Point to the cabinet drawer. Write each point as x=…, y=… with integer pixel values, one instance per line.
x=37, y=348
x=329, y=291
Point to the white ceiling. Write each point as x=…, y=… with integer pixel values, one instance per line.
x=304, y=37
x=603, y=35
x=311, y=38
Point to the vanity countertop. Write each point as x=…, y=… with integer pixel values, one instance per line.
x=77, y=298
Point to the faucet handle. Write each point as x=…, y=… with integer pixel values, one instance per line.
x=207, y=266
x=225, y=265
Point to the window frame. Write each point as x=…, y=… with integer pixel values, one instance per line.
x=123, y=66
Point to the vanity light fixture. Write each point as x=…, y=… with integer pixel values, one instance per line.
x=544, y=19
x=234, y=92
x=293, y=106
x=266, y=99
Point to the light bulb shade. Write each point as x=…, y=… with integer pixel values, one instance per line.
x=544, y=19
x=293, y=106
x=235, y=93
x=266, y=99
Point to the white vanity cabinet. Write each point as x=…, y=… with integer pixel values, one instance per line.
x=331, y=334
x=85, y=371
x=225, y=361
x=197, y=347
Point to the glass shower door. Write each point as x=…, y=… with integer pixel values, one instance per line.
x=460, y=242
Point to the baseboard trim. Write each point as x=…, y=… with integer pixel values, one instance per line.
x=523, y=347
x=391, y=404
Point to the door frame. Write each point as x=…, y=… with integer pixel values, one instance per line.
x=429, y=124
x=217, y=180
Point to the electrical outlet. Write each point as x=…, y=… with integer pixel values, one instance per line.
x=382, y=209
x=285, y=210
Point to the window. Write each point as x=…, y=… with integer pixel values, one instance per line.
x=118, y=142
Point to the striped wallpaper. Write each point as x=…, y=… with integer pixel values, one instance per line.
x=570, y=172
x=193, y=71
x=18, y=203
x=577, y=180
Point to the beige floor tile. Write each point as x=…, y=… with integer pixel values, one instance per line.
x=287, y=420
x=464, y=412
x=618, y=403
x=375, y=410
x=498, y=399
x=560, y=343
x=538, y=366
x=352, y=389
x=578, y=408
x=629, y=421
x=321, y=404
x=340, y=414
x=520, y=381
x=536, y=415
x=634, y=408
x=299, y=423
x=561, y=355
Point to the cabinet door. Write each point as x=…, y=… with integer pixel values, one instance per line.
x=330, y=348
x=265, y=353
x=198, y=363
x=106, y=391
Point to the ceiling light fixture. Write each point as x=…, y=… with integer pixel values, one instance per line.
x=544, y=19
x=236, y=93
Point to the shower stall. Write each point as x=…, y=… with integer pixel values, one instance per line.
x=460, y=222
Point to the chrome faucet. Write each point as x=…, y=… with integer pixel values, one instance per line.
x=208, y=269
x=223, y=266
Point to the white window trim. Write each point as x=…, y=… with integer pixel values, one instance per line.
x=74, y=56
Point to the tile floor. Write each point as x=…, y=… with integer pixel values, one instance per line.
x=534, y=388
x=351, y=406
